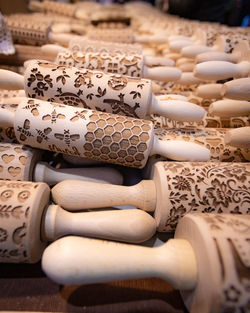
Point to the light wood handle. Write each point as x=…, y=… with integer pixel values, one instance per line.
x=62, y=39
x=46, y=173
x=237, y=89
x=193, y=51
x=6, y=118
x=52, y=49
x=209, y=91
x=230, y=108
x=216, y=56
x=161, y=38
x=177, y=45
x=162, y=73
x=177, y=110
x=188, y=78
x=78, y=195
x=239, y=137
x=123, y=225
x=11, y=80
x=215, y=70
x=73, y=260
x=180, y=150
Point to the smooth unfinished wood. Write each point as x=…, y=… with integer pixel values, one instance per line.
x=230, y=108
x=209, y=91
x=237, y=89
x=239, y=137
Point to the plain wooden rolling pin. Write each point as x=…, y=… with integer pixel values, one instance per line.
x=29, y=220
x=18, y=162
x=133, y=65
x=208, y=260
x=239, y=137
x=96, y=90
x=176, y=189
x=92, y=134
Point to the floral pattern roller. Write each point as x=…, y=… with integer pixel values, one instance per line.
x=221, y=246
x=116, y=63
x=202, y=187
x=88, y=89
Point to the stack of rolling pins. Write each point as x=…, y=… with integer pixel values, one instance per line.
x=86, y=117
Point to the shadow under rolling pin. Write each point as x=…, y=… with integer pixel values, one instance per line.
x=18, y=162
x=29, y=220
x=92, y=134
x=176, y=189
x=208, y=260
x=96, y=90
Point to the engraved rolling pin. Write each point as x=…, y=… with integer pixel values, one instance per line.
x=96, y=90
x=18, y=162
x=133, y=65
x=176, y=189
x=208, y=260
x=92, y=134
x=211, y=138
x=28, y=220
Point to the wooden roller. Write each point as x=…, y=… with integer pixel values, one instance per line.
x=230, y=108
x=176, y=189
x=133, y=65
x=18, y=162
x=211, y=138
x=92, y=134
x=28, y=221
x=96, y=90
x=237, y=89
x=239, y=137
x=208, y=260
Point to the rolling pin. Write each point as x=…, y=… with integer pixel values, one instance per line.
x=175, y=190
x=18, y=162
x=35, y=32
x=217, y=70
x=211, y=138
x=133, y=65
x=91, y=134
x=230, y=108
x=29, y=220
x=96, y=90
x=237, y=89
x=208, y=260
x=239, y=137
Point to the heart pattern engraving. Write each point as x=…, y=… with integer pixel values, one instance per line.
x=8, y=158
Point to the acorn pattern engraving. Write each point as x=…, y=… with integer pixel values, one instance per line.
x=17, y=162
x=81, y=132
x=117, y=63
x=88, y=89
x=209, y=188
x=211, y=138
x=16, y=199
x=231, y=236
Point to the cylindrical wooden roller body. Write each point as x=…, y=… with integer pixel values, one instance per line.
x=59, y=8
x=86, y=133
x=88, y=89
x=208, y=260
x=32, y=32
x=206, y=187
x=221, y=246
x=17, y=162
x=117, y=63
x=211, y=138
x=22, y=205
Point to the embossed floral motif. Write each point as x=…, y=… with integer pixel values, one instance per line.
x=3, y=235
x=232, y=294
x=237, y=171
x=181, y=183
x=43, y=82
x=220, y=193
